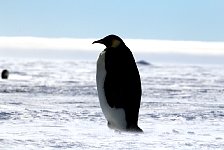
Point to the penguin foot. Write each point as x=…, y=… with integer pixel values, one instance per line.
x=134, y=129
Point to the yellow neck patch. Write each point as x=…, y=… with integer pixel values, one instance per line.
x=115, y=43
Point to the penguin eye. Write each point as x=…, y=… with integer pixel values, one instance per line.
x=115, y=43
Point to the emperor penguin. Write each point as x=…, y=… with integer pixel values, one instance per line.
x=118, y=85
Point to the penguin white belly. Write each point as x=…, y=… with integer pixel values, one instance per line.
x=115, y=116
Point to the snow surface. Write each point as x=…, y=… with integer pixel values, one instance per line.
x=54, y=105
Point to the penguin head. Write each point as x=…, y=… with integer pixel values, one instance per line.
x=110, y=41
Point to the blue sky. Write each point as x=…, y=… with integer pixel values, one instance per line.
x=166, y=30
x=200, y=20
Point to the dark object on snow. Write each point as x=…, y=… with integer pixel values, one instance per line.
x=143, y=62
x=5, y=74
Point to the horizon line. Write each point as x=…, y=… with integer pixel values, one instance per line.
x=136, y=45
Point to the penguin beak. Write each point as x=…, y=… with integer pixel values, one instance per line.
x=98, y=41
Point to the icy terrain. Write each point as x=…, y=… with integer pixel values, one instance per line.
x=54, y=105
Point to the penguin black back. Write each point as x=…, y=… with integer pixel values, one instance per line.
x=122, y=84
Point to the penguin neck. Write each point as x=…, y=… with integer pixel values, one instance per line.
x=115, y=43
x=116, y=46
